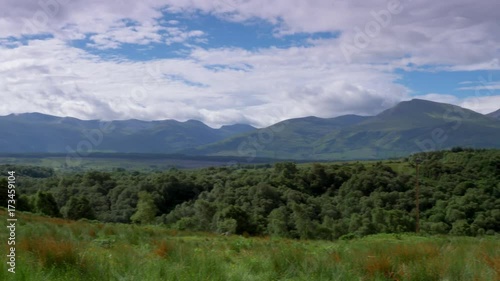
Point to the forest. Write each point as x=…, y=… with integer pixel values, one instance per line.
x=459, y=194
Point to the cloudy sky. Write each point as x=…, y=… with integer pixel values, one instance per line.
x=245, y=61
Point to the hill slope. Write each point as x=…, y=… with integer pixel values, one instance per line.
x=35, y=132
x=50, y=250
x=495, y=114
x=413, y=126
x=409, y=127
x=289, y=139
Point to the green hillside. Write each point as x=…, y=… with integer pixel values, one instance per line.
x=61, y=250
x=39, y=133
x=314, y=221
x=409, y=127
x=290, y=139
x=495, y=114
x=458, y=192
x=414, y=126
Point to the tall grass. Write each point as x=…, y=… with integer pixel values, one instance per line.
x=57, y=249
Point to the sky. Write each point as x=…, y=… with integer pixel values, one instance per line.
x=245, y=61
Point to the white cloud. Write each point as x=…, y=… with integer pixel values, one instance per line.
x=458, y=35
x=277, y=84
x=444, y=98
x=116, y=35
x=480, y=103
x=486, y=86
x=176, y=35
x=107, y=23
x=261, y=86
x=455, y=35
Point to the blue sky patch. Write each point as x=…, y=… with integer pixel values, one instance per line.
x=449, y=82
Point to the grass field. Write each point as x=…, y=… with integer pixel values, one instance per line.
x=148, y=162
x=59, y=163
x=57, y=249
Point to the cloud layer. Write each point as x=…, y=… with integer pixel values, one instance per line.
x=352, y=71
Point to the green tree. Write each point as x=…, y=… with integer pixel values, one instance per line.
x=46, y=204
x=231, y=214
x=23, y=203
x=204, y=213
x=278, y=222
x=3, y=192
x=286, y=174
x=78, y=208
x=306, y=229
x=146, y=209
x=227, y=226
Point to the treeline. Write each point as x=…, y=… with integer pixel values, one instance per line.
x=459, y=195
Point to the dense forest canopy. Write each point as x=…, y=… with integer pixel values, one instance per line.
x=459, y=195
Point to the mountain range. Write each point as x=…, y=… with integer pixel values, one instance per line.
x=495, y=114
x=408, y=127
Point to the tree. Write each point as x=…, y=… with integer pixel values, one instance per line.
x=234, y=216
x=23, y=203
x=78, y=208
x=302, y=220
x=3, y=192
x=227, y=226
x=278, y=222
x=286, y=173
x=46, y=204
x=204, y=213
x=146, y=209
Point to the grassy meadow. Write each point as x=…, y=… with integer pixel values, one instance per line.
x=59, y=249
x=109, y=163
x=129, y=161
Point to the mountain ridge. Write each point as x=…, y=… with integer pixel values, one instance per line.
x=408, y=127
x=494, y=114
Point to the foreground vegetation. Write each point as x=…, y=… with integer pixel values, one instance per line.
x=59, y=249
x=459, y=195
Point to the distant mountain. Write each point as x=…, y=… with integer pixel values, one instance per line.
x=408, y=127
x=411, y=126
x=289, y=139
x=495, y=114
x=35, y=132
x=236, y=129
